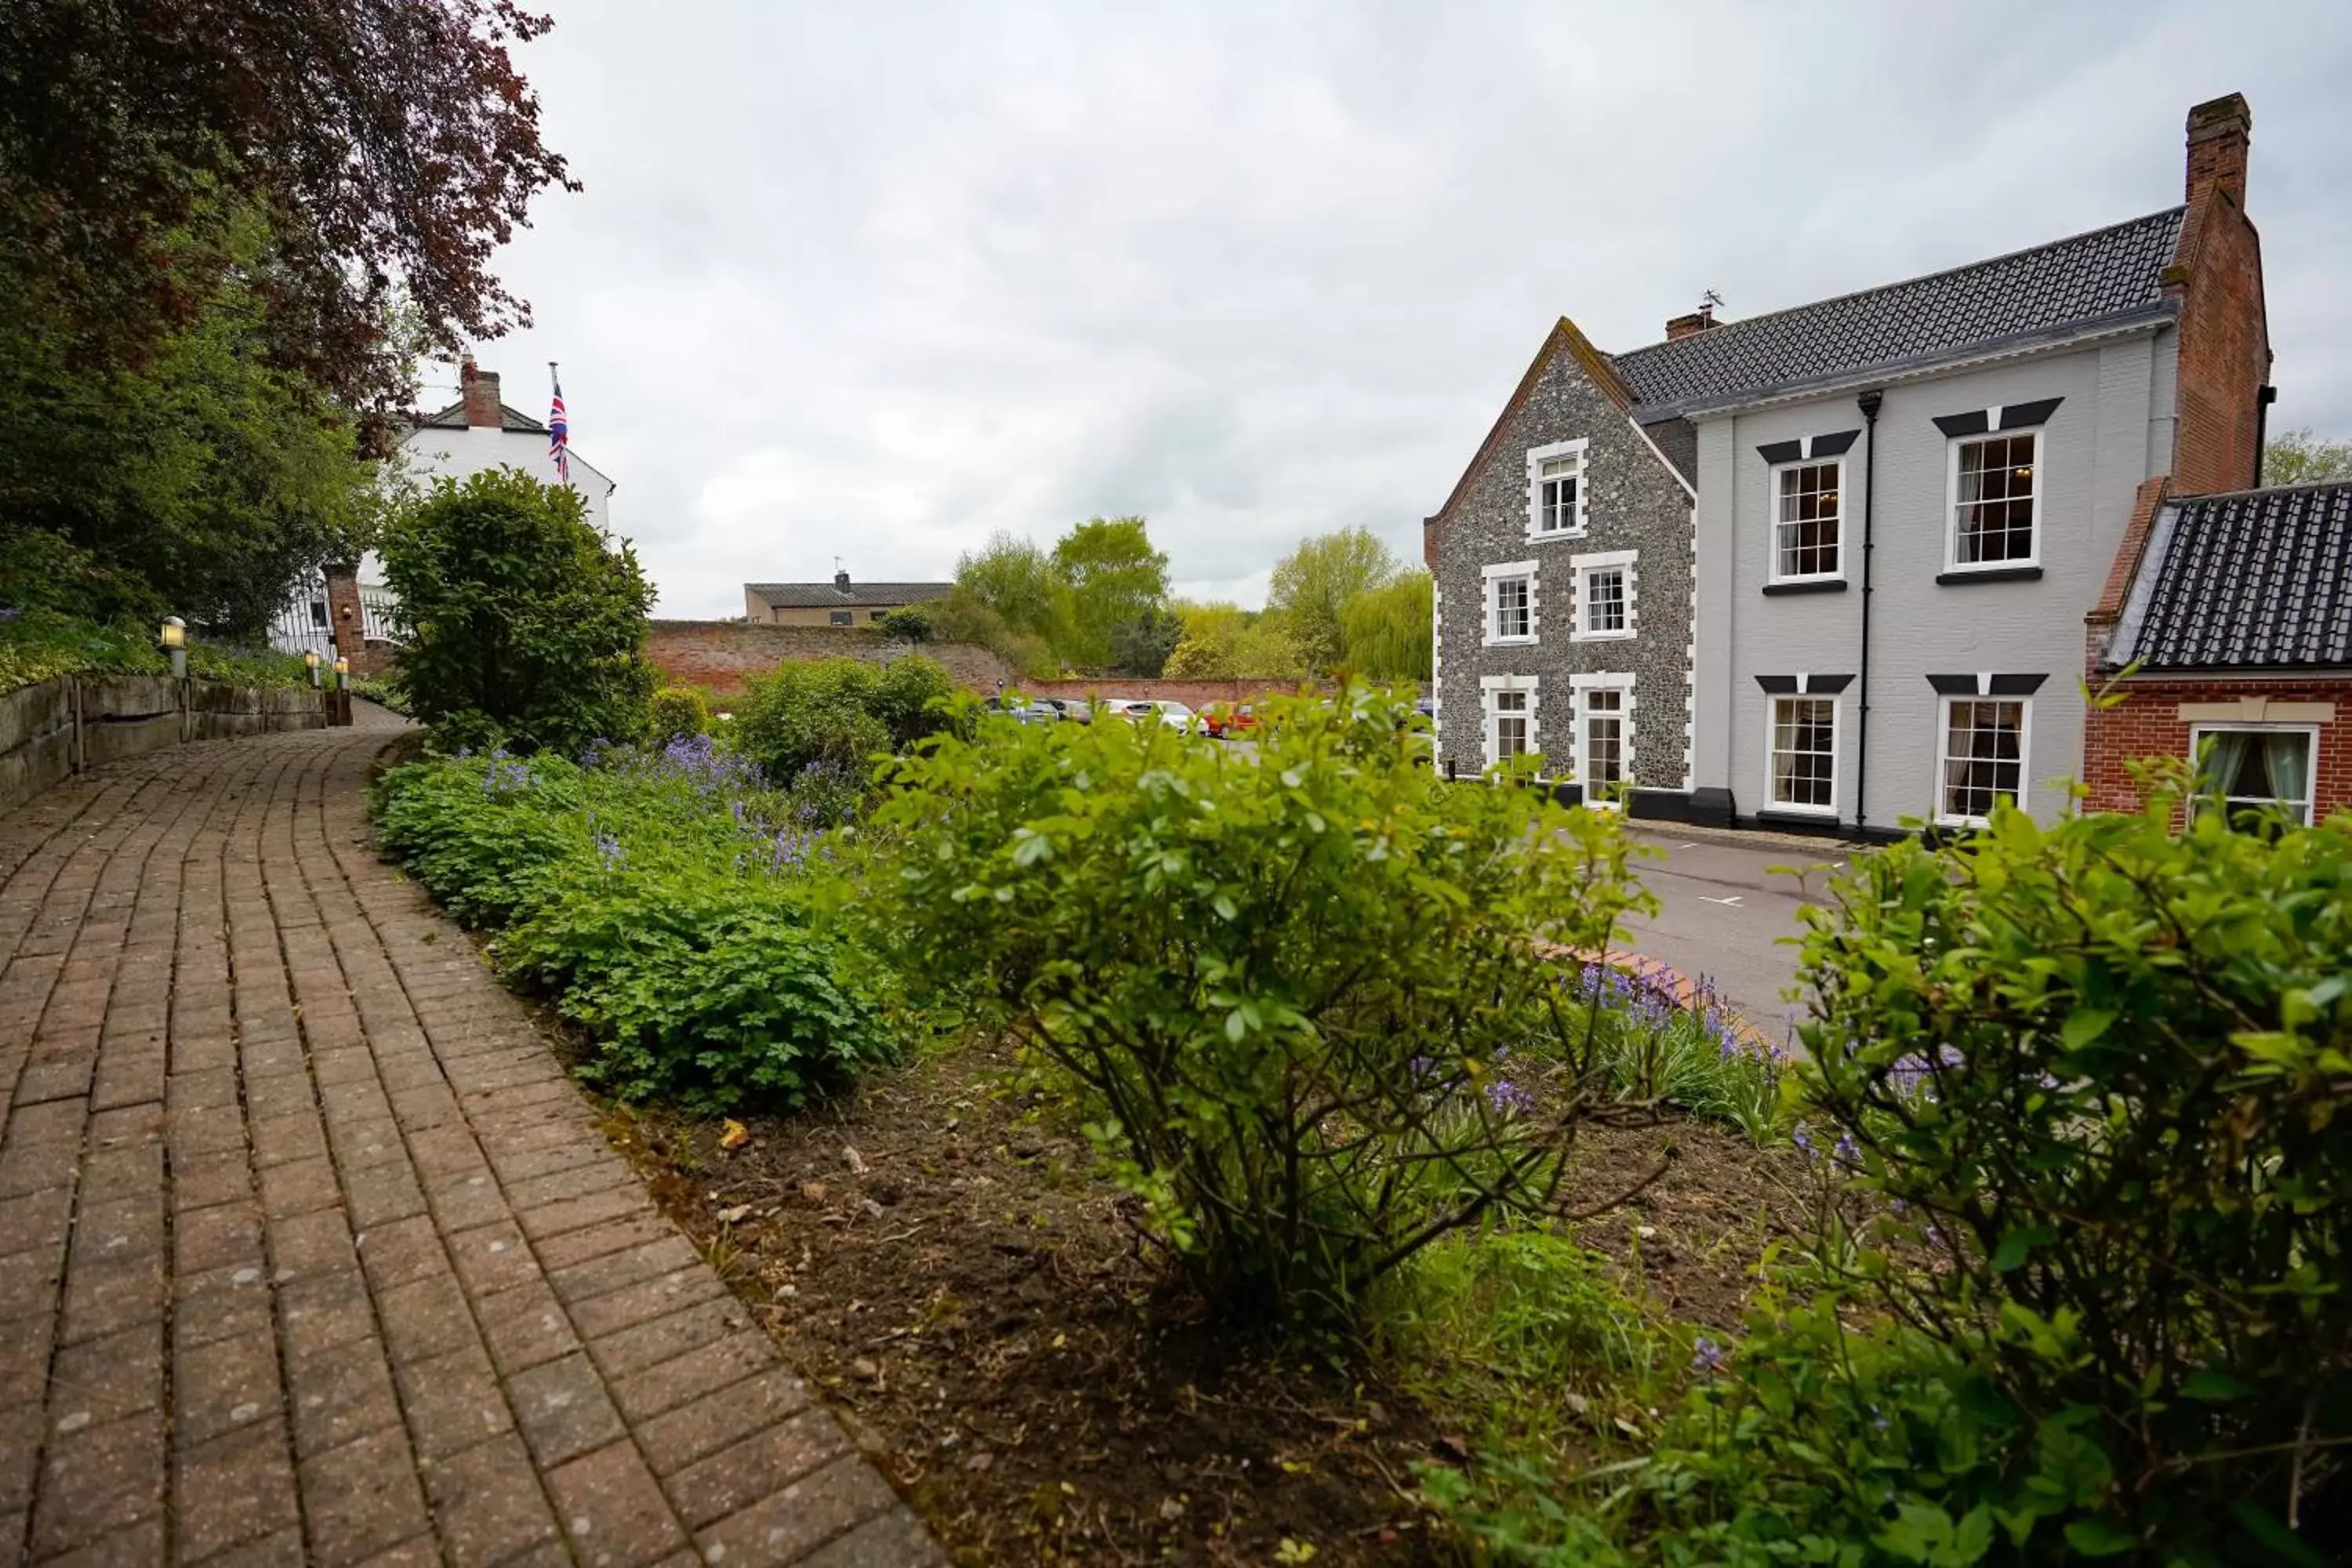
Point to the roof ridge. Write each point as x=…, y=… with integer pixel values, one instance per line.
x=2162, y=213
x=2296, y=486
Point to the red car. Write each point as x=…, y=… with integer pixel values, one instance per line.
x=1223, y=720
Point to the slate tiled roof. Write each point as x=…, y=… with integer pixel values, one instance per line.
x=2261, y=579
x=2105, y=273
x=453, y=417
x=830, y=597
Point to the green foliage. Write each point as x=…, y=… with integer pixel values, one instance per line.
x=2296, y=458
x=1225, y=642
x=1314, y=584
x=196, y=481
x=1281, y=990
x=37, y=644
x=1117, y=588
x=679, y=710
x=1387, y=633
x=664, y=900
x=2107, y=1063
x=44, y=571
x=1694, y=1054
x=386, y=694
x=523, y=622
x=839, y=713
x=908, y=623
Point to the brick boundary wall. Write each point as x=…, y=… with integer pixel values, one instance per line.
x=69, y=723
x=2147, y=723
x=721, y=655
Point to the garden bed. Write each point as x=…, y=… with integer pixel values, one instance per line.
x=944, y=1264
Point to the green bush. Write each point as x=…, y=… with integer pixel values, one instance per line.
x=37, y=644
x=524, y=625
x=662, y=898
x=679, y=710
x=1286, y=991
x=839, y=713
x=2105, y=1067
x=908, y=623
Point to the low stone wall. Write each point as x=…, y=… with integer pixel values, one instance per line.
x=720, y=656
x=1193, y=694
x=64, y=725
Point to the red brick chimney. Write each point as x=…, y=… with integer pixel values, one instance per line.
x=481, y=390
x=1697, y=321
x=2218, y=132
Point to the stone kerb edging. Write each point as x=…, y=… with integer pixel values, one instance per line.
x=69, y=723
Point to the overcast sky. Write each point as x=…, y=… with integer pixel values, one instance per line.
x=875, y=280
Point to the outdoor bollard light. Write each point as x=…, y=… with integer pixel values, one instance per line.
x=310, y=663
x=173, y=636
x=342, y=675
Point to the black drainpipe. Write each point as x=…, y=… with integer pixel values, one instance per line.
x=2263, y=401
x=1868, y=403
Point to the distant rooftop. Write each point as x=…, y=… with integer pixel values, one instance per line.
x=453, y=417
x=2105, y=275
x=841, y=591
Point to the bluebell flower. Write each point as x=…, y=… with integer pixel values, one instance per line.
x=1507, y=1099
x=608, y=850
x=1706, y=1356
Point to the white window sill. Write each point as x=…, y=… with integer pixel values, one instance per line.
x=1527, y=641
x=1537, y=537
x=1602, y=637
x=1782, y=808
x=1964, y=822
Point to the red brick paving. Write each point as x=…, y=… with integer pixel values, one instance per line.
x=309, y=1253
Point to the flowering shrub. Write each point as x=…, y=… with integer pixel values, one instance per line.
x=662, y=898
x=1690, y=1052
x=1302, y=997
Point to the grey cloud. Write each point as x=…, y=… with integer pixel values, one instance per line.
x=875, y=281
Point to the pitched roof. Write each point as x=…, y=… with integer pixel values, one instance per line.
x=2069, y=283
x=453, y=417
x=832, y=596
x=2257, y=580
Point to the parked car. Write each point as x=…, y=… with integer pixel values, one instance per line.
x=1227, y=721
x=1178, y=716
x=1139, y=709
x=1071, y=708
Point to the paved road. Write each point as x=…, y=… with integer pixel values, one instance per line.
x=1724, y=907
x=309, y=1250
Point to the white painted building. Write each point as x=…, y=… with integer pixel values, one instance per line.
x=477, y=433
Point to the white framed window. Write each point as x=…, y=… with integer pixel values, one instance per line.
x=1604, y=596
x=1511, y=716
x=1983, y=756
x=1800, y=764
x=1604, y=736
x=1996, y=500
x=2245, y=769
x=1556, y=489
x=1808, y=521
x=1510, y=604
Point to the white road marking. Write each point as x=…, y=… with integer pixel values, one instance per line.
x=1692, y=845
x=1734, y=899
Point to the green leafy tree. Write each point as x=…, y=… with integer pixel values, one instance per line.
x=2296, y=458
x=204, y=470
x=908, y=623
x=1140, y=645
x=1225, y=642
x=1118, y=585
x=392, y=144
x=1387, y=632
x=1314, y=583
x=524, y=623
x=1019, y=585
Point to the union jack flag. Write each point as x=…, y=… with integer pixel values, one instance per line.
x=559, y=432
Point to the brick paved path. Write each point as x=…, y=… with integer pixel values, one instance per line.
x=309, y=1250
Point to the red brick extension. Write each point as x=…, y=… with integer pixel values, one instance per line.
x=310, y=1251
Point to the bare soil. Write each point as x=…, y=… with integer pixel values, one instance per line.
x=949, y=1269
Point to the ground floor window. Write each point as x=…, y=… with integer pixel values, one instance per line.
x=2254, y=774
x=1510, y=703
x=1984, y=756
x=1804, y=753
